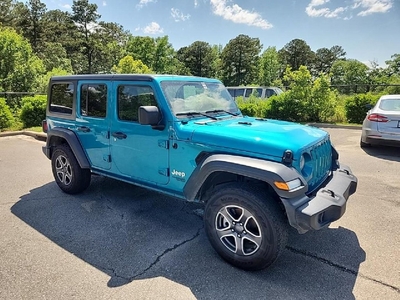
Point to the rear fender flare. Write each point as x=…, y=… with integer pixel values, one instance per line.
x=72, y=140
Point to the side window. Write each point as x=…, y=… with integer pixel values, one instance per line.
x=61, y=98
x=130, y=98
x=269, y=93
x=239, y=92
x=94, y=100
x=248, y=92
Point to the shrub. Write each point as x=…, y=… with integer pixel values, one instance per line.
x=358, y=105
x=253, y=106
x=6, y=117
x=285, y=107
x=33, y=110
x=321, y=105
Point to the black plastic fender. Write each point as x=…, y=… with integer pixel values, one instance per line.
x=70, y=137
x=264, y=170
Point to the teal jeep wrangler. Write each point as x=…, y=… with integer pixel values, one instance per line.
x=185, y=137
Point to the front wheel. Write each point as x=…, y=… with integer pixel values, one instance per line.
x=245, y=226
x=69, y=175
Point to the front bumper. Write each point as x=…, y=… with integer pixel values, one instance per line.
x=325, y=206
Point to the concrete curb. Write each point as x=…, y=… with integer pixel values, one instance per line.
x=37, y=135
x=327, y=125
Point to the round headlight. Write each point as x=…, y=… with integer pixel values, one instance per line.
x=302, y=162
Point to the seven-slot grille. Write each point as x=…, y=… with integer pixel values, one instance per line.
x=321, y=156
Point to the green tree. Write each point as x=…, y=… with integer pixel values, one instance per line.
x=6, y=7
x=19, y=67
x=270, y=67
x=164, y=59
x=85, y=16
x=393, y=65
x=324, y=59
x=141, y=48
x=239, y=60
x=128, y=65
x=297, y=53
x=53, y=56
x=43, y=80
x=349, y=76
x=199, y=58
x=34, y=29
x=321, y=105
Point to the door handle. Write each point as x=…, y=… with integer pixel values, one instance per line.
x=84, y=129
x=119, y=135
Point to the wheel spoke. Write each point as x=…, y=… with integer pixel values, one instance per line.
x=232, y=242
x=235, y=212
x=250, y=244
x=252, y=228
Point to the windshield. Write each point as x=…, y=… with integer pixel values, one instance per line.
x=189, y=97
x=390, y=104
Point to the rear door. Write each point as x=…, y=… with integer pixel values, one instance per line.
x=92, y=121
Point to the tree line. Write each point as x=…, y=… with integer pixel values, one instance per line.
x=36, y=43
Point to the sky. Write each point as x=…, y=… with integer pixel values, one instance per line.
x=368, y=30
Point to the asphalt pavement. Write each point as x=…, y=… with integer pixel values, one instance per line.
x=119, y=241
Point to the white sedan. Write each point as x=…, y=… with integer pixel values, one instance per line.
x=381, y=126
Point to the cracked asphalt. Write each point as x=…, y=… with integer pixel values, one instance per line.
x=118, y=241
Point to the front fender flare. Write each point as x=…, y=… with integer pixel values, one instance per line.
x=263, y=170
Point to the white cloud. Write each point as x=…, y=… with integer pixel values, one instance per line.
x=236, y=14
x=178, y=16
x=66, y=6
x=144, y=2
x=104, y=3
x=317, y=8
x=196, y=3
x=373, y=6
x=312, y=11
x=152, y=28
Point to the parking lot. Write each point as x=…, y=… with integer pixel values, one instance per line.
x=118, y=241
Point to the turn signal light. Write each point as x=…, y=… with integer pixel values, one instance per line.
x=377, y=118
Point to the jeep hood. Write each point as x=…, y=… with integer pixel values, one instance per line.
x=263, y=136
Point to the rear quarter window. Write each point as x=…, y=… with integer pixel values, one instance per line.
x=61, y=98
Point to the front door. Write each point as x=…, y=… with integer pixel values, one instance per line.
x=137, y=151
x=92, y=125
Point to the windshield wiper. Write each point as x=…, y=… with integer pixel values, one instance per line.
x=194, y=113
x=222, y=110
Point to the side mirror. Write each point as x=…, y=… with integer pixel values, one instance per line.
x=149, y=115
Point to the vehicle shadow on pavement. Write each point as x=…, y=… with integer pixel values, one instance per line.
x=131, y=234
x=383, y=152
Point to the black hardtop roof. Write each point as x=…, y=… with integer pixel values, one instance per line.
x=122, y=77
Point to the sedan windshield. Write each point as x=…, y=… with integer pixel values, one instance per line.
x=194, y=98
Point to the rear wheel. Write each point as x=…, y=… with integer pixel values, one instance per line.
x=70, y=177
x=245, y=226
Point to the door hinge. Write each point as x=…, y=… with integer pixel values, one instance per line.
x=163, y=144
x=107, y=158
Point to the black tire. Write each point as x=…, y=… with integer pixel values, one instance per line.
x=69, y=176
x=245, y=216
